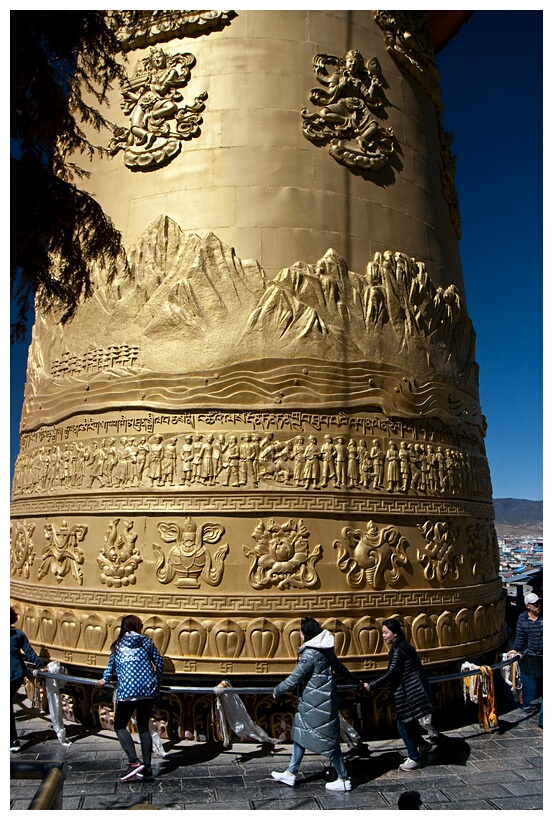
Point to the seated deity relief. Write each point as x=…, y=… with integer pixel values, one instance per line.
x=190, y=559
x=348, y=102
x=157, y=124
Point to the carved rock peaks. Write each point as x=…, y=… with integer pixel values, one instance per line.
x=188, y=303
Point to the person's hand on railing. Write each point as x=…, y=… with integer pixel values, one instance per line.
x=100, y=682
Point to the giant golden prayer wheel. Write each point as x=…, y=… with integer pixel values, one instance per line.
x=276, y=412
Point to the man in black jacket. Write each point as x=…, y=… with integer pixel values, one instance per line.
x=529, y=643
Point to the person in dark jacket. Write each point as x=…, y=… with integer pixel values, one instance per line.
x=410, y=691
x=316, y=722
x=138, y=666
x=20, y=650
x=529, y=642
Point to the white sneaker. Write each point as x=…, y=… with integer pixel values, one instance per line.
x=284, y=777
x=339, y=785
x=408, y=765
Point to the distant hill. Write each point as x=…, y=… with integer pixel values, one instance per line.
x=518, y=516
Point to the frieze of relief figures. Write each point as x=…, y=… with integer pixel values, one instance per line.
x=227, y=460
x=22, y=551
x=350, y=99
x=228, y=638
x=282, y=557
x=374, y=557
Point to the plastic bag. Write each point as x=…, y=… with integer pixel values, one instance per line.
x=348, y=734
x=53, y=696
x=232, y=715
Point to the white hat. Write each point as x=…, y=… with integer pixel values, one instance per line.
x=531, y=598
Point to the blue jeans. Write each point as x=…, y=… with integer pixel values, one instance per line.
x=411, y=735
x=531, y=673
x=337, y=759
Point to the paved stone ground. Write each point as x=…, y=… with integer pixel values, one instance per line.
x=467, y=769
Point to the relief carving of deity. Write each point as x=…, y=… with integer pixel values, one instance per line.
x=438, y=557
x=374, y=557
x=158, y=125
x=281, y=556
x=62, y=553
x=352, y=95
x=189, y=560
x=119, y=558
x=22, y=552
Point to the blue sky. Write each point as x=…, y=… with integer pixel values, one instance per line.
x=492, y=92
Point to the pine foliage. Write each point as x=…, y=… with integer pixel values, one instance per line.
x=63, y=65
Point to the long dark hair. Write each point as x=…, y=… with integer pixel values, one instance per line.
x=310, y=628
x=130, y=623
x=394, y=626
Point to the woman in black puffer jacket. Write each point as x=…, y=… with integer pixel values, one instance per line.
x=410, y=689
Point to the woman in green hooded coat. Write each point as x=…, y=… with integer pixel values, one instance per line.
x=316, y=722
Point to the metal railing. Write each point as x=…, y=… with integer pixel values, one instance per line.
x=49, y=794
x=260, y=690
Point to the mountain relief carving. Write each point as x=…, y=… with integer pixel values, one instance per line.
x=190, y=304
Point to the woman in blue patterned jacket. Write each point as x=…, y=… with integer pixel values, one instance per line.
x=138, y=666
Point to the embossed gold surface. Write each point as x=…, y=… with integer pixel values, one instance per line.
x=228, y=439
